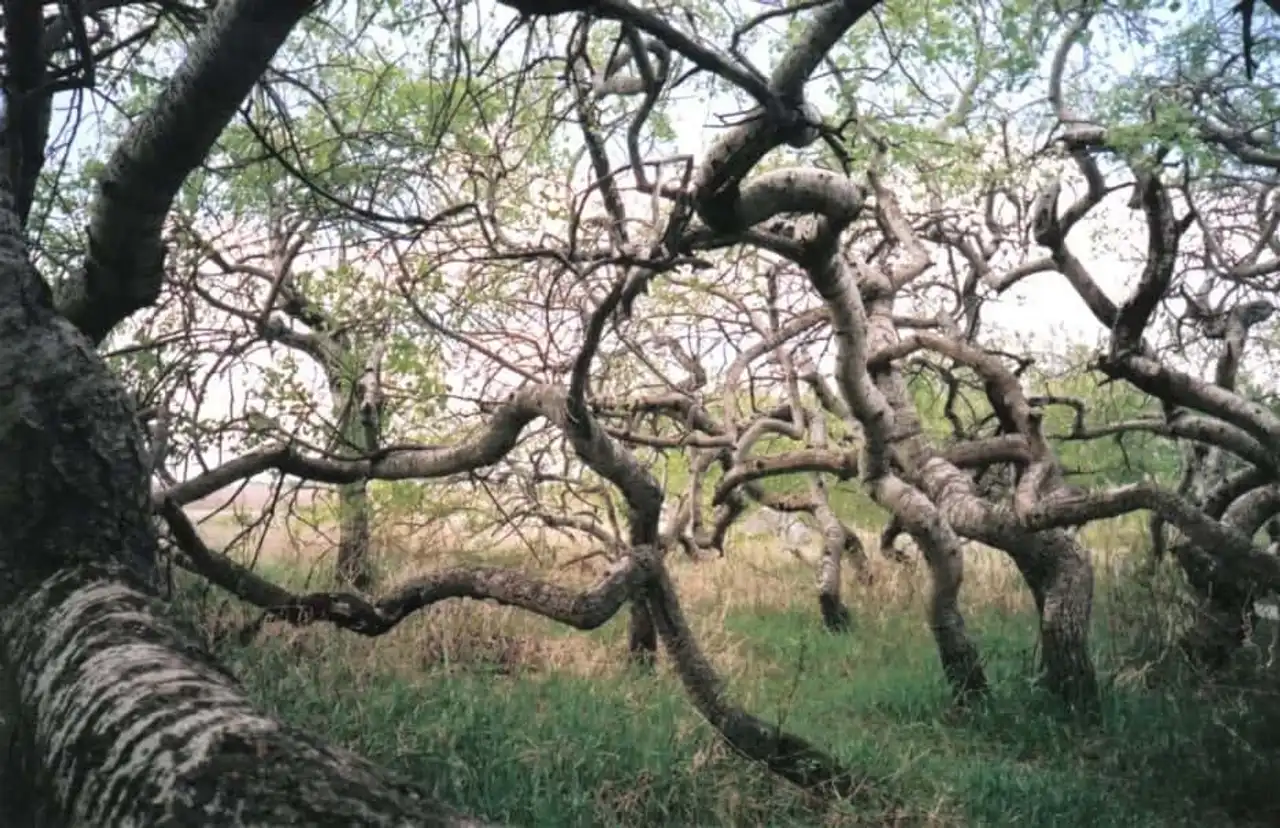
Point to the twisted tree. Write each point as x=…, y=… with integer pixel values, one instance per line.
x=830, y=262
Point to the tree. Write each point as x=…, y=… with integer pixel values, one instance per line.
x=835, y=244
x=88, y=655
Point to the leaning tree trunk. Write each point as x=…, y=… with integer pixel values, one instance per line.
x=944, y=554
x=961, y=662
x=109, y=713
x=112, y=715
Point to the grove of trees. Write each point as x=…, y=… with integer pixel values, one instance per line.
x=625, y=273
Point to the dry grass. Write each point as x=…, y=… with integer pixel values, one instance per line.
x=756, y=577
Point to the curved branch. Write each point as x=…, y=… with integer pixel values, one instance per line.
x=1230, y=545
x=390, y=463
x=124, y=263
x=581, y=610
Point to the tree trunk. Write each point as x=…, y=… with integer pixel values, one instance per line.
x=114, y=716
x=1059, y=573
x=110, y=714
x=353, y=565
x=1226, y=615
x=835, y=616
x=961, y=662
x=642, y=636
x=1065, y=613
x=359, y=434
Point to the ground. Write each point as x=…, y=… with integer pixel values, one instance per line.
x=516, y=719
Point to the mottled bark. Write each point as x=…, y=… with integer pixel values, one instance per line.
x=71, y=453
x=115, y=717
x=1060, y=575
x=109, y=713
x=1055, y=567
x=891, y=424
x=837, y=540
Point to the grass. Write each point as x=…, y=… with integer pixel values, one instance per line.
x=518, y=720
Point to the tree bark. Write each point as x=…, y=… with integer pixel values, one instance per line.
x=359, y=412
x=111, y=714
x=1060, y=576
x=124, y=262
x=1226, y=615
x=835, y=616
x=114, y=716
x=354, y=567
x=961, y=663
x=642, y=636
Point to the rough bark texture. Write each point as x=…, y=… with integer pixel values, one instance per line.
x=72, y=476
x=1060, y=576
x=112, y=716
x=115, y=717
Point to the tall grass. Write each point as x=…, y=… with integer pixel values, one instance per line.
x=521, y=721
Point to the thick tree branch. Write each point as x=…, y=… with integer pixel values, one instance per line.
x=123, y=267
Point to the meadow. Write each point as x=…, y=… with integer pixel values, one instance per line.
x=519, y=720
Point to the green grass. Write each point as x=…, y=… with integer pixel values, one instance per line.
x=513, y=718
x=507, y=737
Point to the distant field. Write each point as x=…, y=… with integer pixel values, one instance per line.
x=250, y=497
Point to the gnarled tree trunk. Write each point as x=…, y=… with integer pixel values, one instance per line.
x=114, y=716
x=1060, y=575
